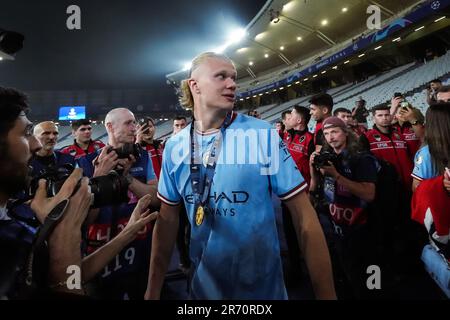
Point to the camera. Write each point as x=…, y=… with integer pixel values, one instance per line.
x=126, y=150
x=111, y=189
x=323, y=158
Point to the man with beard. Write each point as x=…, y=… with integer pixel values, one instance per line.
x=17, y=144
x=46, y=267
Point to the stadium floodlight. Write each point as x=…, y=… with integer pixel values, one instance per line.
x=260, y=36
x=236, y=35
x=10, y=41
x=220, y=49
x=187, y=66
x=288, y=6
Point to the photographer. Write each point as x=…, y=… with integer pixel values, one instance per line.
x=83, y=144
x=349, y=186
x=144, y=137
x=47, y=278
x=126, y=276
x=47, y=133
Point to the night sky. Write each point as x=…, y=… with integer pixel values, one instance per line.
x=121, y=45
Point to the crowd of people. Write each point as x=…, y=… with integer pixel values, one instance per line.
x=352, y=197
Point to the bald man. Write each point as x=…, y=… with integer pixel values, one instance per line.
x=126, y=276
x=47, y=133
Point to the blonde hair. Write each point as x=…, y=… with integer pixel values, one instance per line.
x=186, y=99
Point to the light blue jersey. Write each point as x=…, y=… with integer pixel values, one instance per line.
x=235, y=251
x=423, y=165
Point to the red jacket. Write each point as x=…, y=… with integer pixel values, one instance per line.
x=394, y=149
x=430, y=207
x=155, y=152
x=359, y=130
x=298, y=145
x=76, y=151
x=409, y=136
x=317, y=131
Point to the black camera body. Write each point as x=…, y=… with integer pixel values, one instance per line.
x=126, y=150
x=322, y=159
x=111, y=189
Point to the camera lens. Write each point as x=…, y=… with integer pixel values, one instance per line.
x=109, y=190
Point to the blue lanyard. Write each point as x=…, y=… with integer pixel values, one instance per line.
x=201, y=196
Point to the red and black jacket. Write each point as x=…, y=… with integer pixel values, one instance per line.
x=409, y=136
x=392, y=148
x=76, y=151
x=300, y=145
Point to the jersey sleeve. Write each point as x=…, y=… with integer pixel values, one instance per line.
x=167, y=189
x=423, y=166
x=285, y=178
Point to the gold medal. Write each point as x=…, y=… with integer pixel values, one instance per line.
x=199, y=216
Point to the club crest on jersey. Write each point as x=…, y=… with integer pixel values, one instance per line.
x=73, y=152
x=377, y=137
x=419, y=160
x=96, y=147
x=396, y=135
x=302, y=139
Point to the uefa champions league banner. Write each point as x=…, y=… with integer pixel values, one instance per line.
x=422, y=11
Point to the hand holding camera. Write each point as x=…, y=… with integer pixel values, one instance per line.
x=324, y=162
x=111, y=158
x=43, y=203
x=106, y=161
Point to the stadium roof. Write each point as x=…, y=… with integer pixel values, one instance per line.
x=286, y=32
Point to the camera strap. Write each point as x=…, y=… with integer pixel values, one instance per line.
x=51, y=221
